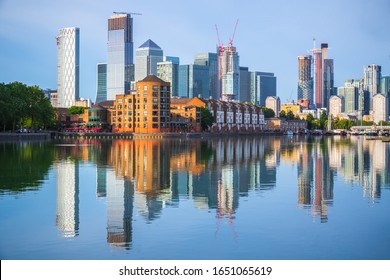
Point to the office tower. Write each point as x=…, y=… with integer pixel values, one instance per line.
x=68, y=44
x=194, y=81
x=372, y=78
x=67, y=213
x=336, y=105
x=350, y=96
x=385, y=88
x=101, y=83
x=380, y=108
x=146, y=58
x=273, y=102
x=120, y=64
x=245, y=85
x=263, y=84
x=229, y=75
x=323, y=76
x=305, y=80
x=210, y=60
x=168, y=71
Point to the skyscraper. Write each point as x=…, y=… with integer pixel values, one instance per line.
x=372, y=78
x=229, y=72
x=68, y=66
x=194, y=81
x=120, y=67
x=101, y=83
x=245, y=85
x=323, y=76
x=168, y=71
x=210, y=60
x=305, y=80
x=263, y=84
x=146, y=58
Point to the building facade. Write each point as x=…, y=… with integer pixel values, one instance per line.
x=146, y=58
x=194, y=81
x=210, y=60
x=380, y=109
x=323, y=76
x=273, y=102
x=305, y=80
x=372, y=79
x=169, y=71
x=262, y=85
x=229, y=72
x=336, y=105
x=68, y=66
x=350, y=97
x=245, y=85
x=101, y=83
x=120, y=62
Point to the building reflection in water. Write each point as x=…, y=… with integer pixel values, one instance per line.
x=147, y=176
x=67, y=173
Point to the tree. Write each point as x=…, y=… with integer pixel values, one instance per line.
x=268, y=112
x=206, y=118
x=323, y=119
x=282, y=114
x=290, y=115
x=76, y=110
x=316, y=124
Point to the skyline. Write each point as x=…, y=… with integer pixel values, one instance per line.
x=354, y=39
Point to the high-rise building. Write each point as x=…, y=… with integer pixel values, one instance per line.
x=68, y=42
x=229, y=72
x=210, y=60
x=146, y=58
x=168, y=71
x=245, y=85
x=336, y=105
x=101, y=83
x=323, y=76
x=194, y=81
x=380, y=108
x=372, y=79
x=120, y=63
x=350, y=97
x=263, y=84
x=305, y=80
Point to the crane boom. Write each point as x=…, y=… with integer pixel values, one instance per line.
x=137, y=14
x=234, y=33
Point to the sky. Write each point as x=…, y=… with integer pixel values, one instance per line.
x=270, y=35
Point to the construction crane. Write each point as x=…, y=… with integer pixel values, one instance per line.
x=234, y=33
x=136, y=14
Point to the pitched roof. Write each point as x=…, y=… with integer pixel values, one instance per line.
x=150, y=44
x=153, y=78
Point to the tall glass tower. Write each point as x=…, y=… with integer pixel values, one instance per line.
x=305, y=80
x=68, y=42
x=120, y=67
x=147, y=57
x=229, y=73
x=101, y=86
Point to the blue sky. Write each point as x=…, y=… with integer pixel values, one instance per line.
x=269, y=37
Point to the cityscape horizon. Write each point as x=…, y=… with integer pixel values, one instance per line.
x=286, y=79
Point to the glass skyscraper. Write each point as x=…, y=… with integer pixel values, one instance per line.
x=305, y=80
x=263, y=84
x=147, y=57
x=229, y=73
x=120, y=67
x=68, y=42
x=193, y=81
x=210, y=60
x=101, y=86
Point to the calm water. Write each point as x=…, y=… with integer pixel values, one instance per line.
x=230, y=198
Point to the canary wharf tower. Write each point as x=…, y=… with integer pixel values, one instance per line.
x=120, y=67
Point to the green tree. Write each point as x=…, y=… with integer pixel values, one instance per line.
x=290, y=115
x=268, y=112
x=315, y=124
x=282, y=114
x=206, y=118
x=76, y=110
x=309, y=120
x=323, y=119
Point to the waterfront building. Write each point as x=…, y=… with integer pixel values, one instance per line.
x=169, y=71
x=210, y=60
x=101, y=82
x=184, y=117
x=263, y=84
x=245, y=85
x=229, y=72
x=292, y=106
x=336, y=105
x=194, y=81
x=323, y=76
x=146, y=58
x=380, y=108
x=120, y=62
x=372, y=78
x=273, y=102
x=68, y=64
x=54, y=99
x=305, y=79
x=351, y=99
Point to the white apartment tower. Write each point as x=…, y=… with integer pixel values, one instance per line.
x=229, y=72
x=68, y=42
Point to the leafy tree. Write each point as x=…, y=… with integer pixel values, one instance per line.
x=316, y=124
x=323, y=119
x=309, y=119
x=282, y=114
x=206, y=118
x=290, y=115
x=268, y=112
x=76, y=110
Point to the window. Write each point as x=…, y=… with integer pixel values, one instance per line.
x=155, y=125
x=155, y=94
x=155, y=87
x=145, y=87
x=119, y=100
x=145, y=113
x=130, y=100
x=155, y=100
x=155, y=119
x=145, y=125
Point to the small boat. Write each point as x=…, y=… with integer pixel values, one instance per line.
x=289, y=133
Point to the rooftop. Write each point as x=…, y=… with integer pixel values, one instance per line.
x=150, y=44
